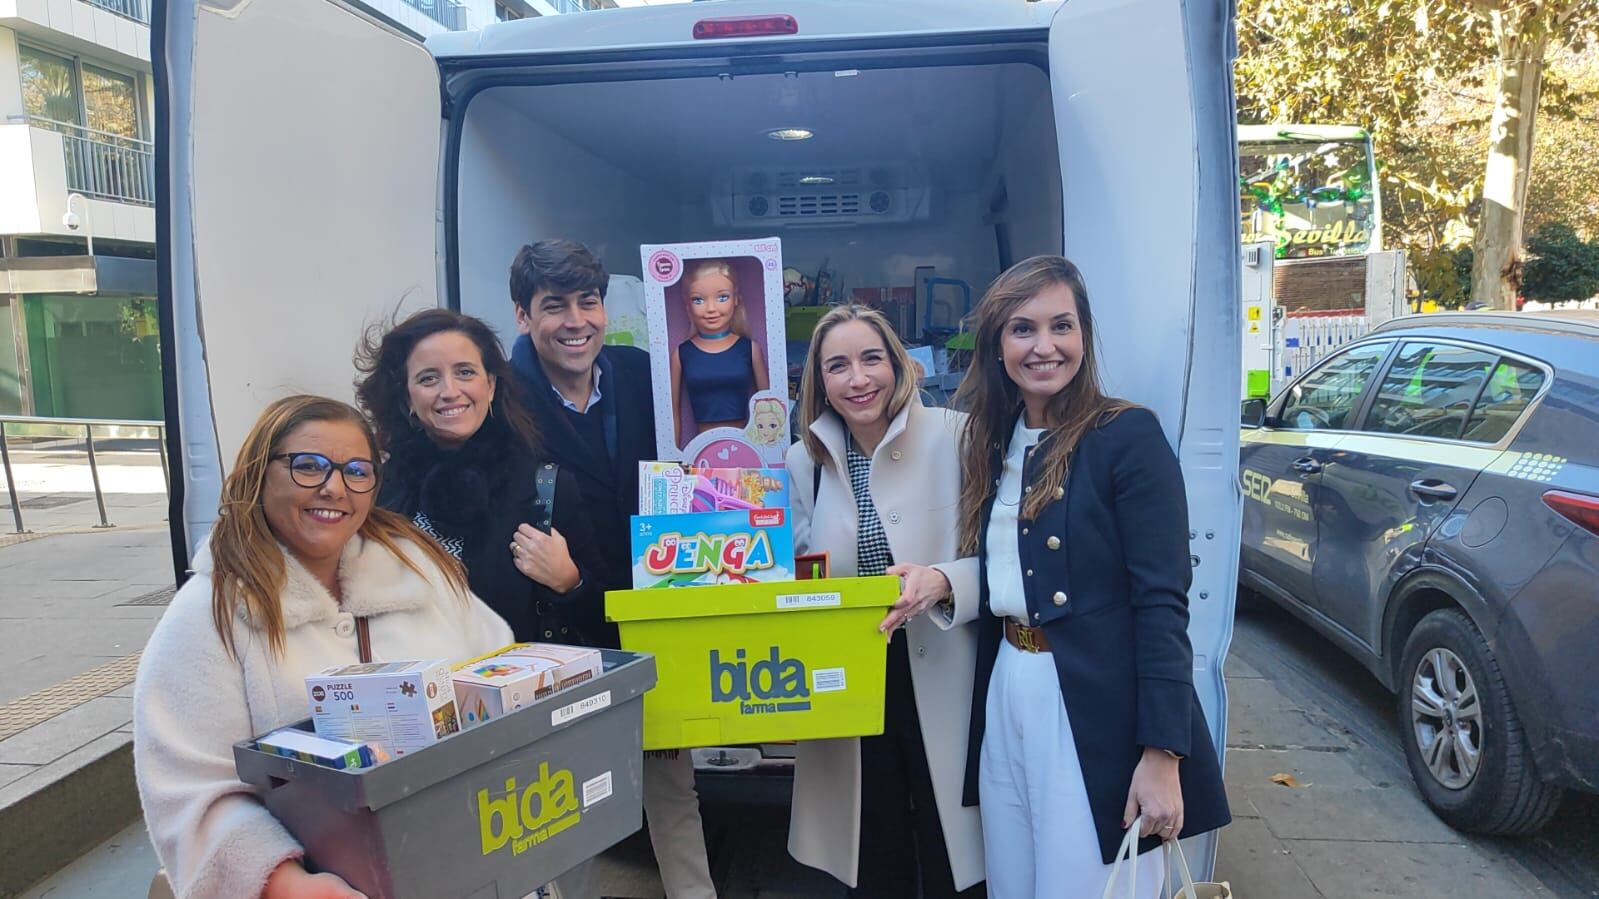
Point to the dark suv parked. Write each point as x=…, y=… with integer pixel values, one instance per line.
x=1428, y=499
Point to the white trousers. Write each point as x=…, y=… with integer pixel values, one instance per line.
x=672, y=813
x=1038, y=835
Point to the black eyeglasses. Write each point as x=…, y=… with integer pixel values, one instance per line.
x=312, y=470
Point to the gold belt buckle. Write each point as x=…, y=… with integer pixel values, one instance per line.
x=1024, y=636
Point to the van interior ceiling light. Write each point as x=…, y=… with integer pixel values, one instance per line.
x=745, y=26
x=791, y=134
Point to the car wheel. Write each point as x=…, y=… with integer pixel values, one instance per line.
x=1463, y=741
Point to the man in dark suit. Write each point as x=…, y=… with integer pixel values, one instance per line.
x=594, y=407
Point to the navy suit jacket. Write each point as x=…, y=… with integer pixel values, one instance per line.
x=630, y=435
x=1112, y=598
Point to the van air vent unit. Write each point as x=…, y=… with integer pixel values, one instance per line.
x=842, y=195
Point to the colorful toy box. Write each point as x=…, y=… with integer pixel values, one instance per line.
x=718, y=348
x=675, y=488
x=293, y=743
x=704, y=548
x=489, y=687
x=761, y=662
x=398, y=707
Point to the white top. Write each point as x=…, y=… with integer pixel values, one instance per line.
x=1007, y=596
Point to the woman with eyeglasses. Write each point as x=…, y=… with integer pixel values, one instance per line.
x=463, y=465
x=297, y=557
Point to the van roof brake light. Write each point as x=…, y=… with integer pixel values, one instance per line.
x=744, y=26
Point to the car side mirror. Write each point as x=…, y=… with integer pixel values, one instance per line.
x=1253, y=413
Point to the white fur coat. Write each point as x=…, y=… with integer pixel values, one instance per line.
x=192, y=702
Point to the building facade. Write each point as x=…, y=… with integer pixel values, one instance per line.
x=78, y=327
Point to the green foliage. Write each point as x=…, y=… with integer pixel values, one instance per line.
x=1443, y=275
x=1377, y=64
x=1560, y=266
x=1420, y=75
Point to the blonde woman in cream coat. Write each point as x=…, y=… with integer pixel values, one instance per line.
x=884, y=500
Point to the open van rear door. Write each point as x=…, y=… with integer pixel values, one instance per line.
x=298, y=154
x=1146, y=129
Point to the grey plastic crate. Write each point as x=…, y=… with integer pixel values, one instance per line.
x=445, y=822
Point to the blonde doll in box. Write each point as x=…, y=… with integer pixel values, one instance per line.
x=720, y=366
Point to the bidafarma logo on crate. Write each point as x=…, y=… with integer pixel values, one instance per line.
x=703, y=548
x=770, y=685
x=523, y=817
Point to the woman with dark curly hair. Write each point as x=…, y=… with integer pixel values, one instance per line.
x=463, y=465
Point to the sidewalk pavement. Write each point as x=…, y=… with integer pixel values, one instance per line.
x=1351, y=824
x=55, y=491
x=75, y=611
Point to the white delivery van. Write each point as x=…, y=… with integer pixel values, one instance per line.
x=321, y=168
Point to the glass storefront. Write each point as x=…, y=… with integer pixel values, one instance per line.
x=10, y=378
x=92, y=357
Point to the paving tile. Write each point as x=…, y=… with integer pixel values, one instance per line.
x=1236, y=667
x=55, y=738
x=9, y=773
x=1409, y=871
x=121, y=866
x=33, y=672
x=1258, y=714
x=23, y=595
x=1253, y=768
x=63, y=767
x=1258, y=864
x=1393, y=814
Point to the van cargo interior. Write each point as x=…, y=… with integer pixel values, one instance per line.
x=944, y=171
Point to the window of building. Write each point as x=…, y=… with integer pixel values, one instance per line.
x=110, y=102
x=66, y=90
x=92, y=356
x=50, y=86
x=504, y=12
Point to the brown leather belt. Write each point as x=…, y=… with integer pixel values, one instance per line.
x=1027, y=639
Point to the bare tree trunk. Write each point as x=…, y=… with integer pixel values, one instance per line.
x=1496, y=266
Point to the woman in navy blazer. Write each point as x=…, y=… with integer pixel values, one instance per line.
x=1084, y=715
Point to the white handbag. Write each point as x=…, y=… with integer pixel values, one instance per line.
x=1190, y=889
x=1129, y=853
x=1173, y=850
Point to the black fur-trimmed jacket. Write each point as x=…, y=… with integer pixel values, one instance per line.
x=472, y=500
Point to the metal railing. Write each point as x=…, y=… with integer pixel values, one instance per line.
x=1307, y=339
x=449, y=13
x=105, y=165
x=88, y=425
x=571, y=6
x=137, y=10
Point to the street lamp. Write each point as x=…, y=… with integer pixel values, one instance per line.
x=71, y=219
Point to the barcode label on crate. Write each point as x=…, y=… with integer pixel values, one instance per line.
x=580, y=708
x=827, y=680
x=809, y=600
x=596, y=789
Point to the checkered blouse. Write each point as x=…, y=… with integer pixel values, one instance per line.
x=871, y=545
